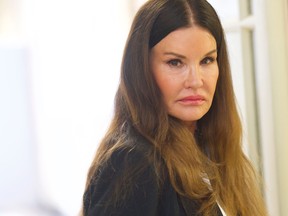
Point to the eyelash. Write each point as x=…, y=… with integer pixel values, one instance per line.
x=209, y=59
x=179, y=63
x=173, y=61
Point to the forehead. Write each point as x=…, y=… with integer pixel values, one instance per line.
x=189, y=38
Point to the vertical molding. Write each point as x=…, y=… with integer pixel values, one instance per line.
x=259, y=98
x=277, y=40
x=286, y=22
x=264, y=95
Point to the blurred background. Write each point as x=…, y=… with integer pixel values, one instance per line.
x=59, y=70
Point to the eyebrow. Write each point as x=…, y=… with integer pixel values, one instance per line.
x=211, y=52
x=183, y=57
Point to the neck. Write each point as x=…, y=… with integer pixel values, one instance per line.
x=191, y=126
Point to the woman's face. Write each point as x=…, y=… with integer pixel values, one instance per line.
x=184, y=64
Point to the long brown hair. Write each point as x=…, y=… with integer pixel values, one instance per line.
x=215, y=150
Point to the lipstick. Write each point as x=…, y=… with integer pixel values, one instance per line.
x=192, y=100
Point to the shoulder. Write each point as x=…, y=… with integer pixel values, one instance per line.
x=127, y=165
x=135, y=154
x=126, y=182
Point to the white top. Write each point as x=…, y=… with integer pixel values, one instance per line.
x=222, y=210
x=206, y=180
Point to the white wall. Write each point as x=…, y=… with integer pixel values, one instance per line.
x=59, y=68
x=76, y=53
x=18, y=170
x=17, y=147
x=63, y=83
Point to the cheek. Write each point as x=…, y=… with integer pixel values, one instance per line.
x=165, y=85
x=216, y=80
x=212, y=80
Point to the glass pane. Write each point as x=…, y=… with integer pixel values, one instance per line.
x=235, y=56
x=227, y=10
x=245, y=8
x=241, y=55
x=249, y=9
x=254, y=142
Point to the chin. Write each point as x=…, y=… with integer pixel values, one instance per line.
x=191, y=120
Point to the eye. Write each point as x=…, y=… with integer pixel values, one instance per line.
x=207, y=60
x=175, y=63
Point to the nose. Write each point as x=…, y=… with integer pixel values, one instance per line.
x=193, y=78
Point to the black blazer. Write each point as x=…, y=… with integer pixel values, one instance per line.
x=144, y=195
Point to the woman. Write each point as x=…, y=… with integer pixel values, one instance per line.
x=174, y=144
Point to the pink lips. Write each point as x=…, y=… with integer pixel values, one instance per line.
x=192, y=100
